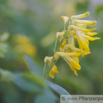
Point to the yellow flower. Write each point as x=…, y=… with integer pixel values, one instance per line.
x=60, y=35
x=21, y=39
x=73, y=63
x=30, y=49
x=81, y=25
x=83, y=40
x=89, y=37
x=85, y=22
x=62, y=46
x=65, y=19
x=71, y=48
x=64, y=54
x=54, y=68
x=73, y=27
x=48, y=60
x=80, y=15
x=91, y=33
x=24, y=45
x=71, y=59
x=53, y=71
x=71, y=38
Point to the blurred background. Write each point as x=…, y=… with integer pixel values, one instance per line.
x=29, y=27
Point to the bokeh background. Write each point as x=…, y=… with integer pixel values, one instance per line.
x=29, y=27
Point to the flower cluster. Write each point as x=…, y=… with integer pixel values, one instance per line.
x=76, y=31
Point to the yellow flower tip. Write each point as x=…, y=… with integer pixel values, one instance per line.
x=97, y=38
x=65, y=19
x=76, y=73
x=73, y=63
x=89, y=30
x=81, y=25
x=93, y=38
x=53, y=71
x=78, y=68
x=91, y=33
x=85, y=53
x=80, y=15
x=71, y=27
x=93, y=23
x=48, y=60
x=63, y=44
x=59, y=35
x=45, y=59
x=87, y=14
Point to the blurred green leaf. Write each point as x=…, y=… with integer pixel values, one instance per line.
x=3, y=49
x=32, y=65
x=34, y=78
x=5, y=75
x=26, y=84
x=99, y=9
x=4, y=36
x=47, y=96
x=57, y=88
x=60, y=90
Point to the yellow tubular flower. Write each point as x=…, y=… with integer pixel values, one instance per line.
x=65, y=19
x=91, y=33
x=64, y=54
x=81, y=25
x=73, y=63
x=48, y=60
x=72, y=48
x=60, y=35
x=62, y=46
x=71, y=39
x=53, y=71
x=71, y=58
x=80, y=16
x=71, y=27
x=74, y=70
x=90, y=38
x=83, y=44
x=86, y=22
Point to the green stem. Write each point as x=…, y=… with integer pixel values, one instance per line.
x=53, y=60
x=44, y=69
x=64, y=27
x=55, y=45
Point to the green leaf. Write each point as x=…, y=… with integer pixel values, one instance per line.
x=32, y=65
x=5, y=75
x=60, y=90
x=3, y=49
x=99, y=9
x=34, y=78
x=27, y=85
x=47, y=96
